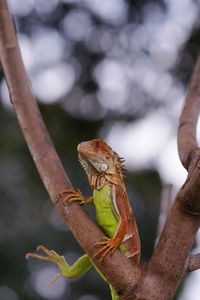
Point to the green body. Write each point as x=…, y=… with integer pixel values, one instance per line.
x=105, y=215
x=107, y=220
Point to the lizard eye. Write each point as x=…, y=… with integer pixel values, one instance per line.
x=98, y=144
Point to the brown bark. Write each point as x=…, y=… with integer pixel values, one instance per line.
x=158, y=278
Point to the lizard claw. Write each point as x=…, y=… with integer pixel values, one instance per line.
x=107, y=246
x=73, y=196
x=51, y=256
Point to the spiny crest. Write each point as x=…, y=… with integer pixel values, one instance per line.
x=121, y=167
x=84, y=167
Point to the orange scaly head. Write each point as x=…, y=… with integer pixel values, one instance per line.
x=100, y=162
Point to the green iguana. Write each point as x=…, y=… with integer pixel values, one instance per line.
x=104, y=169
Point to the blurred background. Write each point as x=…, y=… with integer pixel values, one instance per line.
x=114, y=69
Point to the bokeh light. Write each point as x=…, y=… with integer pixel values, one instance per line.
x=8, y=293
x=41, y=280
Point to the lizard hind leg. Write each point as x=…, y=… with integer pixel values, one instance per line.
x=80, y=267
x=107, y=246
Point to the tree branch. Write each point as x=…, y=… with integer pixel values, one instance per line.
x=167, y=265
x=118, y=270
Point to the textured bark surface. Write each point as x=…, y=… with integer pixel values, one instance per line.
x=160, y=277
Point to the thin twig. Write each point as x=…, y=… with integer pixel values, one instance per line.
x=187, y=142
x=46, y=159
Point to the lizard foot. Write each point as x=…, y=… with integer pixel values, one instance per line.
x=73, y=196
x=76, y=196
x=51, y=256
x=107, y=246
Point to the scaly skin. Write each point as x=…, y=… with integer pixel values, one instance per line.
x=113, y=212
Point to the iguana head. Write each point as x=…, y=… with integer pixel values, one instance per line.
x=100, y=162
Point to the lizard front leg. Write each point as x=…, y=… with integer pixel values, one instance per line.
x=76, y=196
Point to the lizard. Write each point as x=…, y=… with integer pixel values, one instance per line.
x=105, y=171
